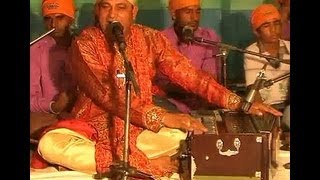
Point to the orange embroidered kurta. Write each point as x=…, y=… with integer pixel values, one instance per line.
x=101, y=103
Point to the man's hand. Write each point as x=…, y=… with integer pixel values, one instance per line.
x=61, y=103
x=259, y=108
x=183, y=121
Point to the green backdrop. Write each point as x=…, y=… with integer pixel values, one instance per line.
x=229, y=18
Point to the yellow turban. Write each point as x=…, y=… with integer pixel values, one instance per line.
x=133, y=2
x=179, y=4
x=262, y=14
x=65, y=7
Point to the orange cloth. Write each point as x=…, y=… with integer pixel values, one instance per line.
x=264, y=13
x=65, y=7
x=179, y=4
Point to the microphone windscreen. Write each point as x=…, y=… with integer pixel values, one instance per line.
x=114, y=27
x=273, y=63
x=187, y=34
x=115, y=33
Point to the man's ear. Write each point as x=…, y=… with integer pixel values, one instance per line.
x=135, y=12
x=96, y=10
x=256, y=33
x=173, y=15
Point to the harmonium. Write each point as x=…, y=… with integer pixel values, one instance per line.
x=237, y=146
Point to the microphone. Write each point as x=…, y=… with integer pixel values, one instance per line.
x=246, y=105
x=187, y=34
x=115, y=29
x=273, y=63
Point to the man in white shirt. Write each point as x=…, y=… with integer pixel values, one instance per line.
x=266, y=26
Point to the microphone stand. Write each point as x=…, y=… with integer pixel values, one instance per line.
x=261, y=83
x=226, y=46
x=122, y=170
x=270, y=82
x=42, y=36
x=258, y=83
x=223, y=55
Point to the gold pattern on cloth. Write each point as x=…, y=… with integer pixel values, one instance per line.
x=154, y=118
x=233, y=101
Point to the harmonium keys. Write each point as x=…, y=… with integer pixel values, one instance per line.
x=209, y=119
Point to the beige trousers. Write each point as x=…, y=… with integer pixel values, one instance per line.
x=68, y=149
x=74, y=151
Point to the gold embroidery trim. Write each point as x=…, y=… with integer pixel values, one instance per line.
x=154, y=118
x=233, y=101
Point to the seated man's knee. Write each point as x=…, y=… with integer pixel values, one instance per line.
x=69, y=150
x=52, y=144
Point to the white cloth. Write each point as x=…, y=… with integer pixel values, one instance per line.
x=276, y=93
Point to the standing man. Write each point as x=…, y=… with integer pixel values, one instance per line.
x=203, y=57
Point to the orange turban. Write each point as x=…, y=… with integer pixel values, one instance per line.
x=262, y=14
x=179, y=4
x=133, y=2
x=65, y=7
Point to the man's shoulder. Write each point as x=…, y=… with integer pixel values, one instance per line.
x=253, y=47
x=43, y=42
x=89, y=30
x=285, y=42
x=88, y=33
x=145, y=30
x=206, y=29
x=209, y=33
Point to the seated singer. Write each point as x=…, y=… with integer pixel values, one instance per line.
x=186, y=14
x=266, y=26
x=94, y=139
